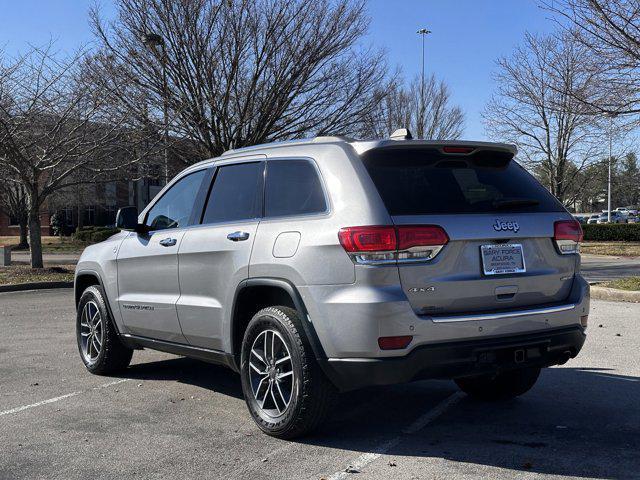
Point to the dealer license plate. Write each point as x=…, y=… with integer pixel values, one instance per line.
x=502, y=259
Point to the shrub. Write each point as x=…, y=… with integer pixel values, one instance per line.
x=94, y=234
x=102, y=235
x=82, y=235
x=612, y=232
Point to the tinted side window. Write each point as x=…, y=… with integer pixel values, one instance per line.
x=293, y=188
x=175, y=206
x=236, y=193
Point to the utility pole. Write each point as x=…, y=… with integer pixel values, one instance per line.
x=153, y=40
x=423, y=32
x=611, y=117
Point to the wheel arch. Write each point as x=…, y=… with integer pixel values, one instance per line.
x=84, y=279
x=256, y=293
x=88, y=278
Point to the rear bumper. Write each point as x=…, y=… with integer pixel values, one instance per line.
x=459, y=359
x=349, y=319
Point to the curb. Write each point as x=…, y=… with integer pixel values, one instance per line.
x=34, y=286
x=614, y=294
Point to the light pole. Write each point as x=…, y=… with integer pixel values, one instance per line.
x=153, y=40
x=611, y=116
x=423, y=32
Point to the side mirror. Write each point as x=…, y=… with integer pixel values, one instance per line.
x=127, y=218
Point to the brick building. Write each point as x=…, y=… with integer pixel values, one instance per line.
x=92, y=204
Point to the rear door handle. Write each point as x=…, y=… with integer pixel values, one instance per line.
x=168, y=242
x=238, y=236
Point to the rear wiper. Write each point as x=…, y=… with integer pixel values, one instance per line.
x=515, y=202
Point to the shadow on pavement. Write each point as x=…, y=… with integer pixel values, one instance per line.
x=575, y=421
x=192, y=372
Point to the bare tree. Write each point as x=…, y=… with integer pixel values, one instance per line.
x=609, y=31
x=534, y=108
x=243, y=72
x=57, y=130
x=14, y=203
x=401, y=106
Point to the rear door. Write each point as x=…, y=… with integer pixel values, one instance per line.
x=214, y=256
x=500, y=223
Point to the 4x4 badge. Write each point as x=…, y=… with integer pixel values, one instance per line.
x=422, y=289
x=500, y=226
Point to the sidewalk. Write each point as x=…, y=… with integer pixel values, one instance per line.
x=49, y=258
x=601, y=268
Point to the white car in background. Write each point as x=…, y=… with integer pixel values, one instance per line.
x=593, y=219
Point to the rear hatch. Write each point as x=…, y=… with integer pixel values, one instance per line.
x=501, y=252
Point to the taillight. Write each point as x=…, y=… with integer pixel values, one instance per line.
x=375, y=244
x=387, y=244
x=368, y=239
x=567, y=235
x=421, y=236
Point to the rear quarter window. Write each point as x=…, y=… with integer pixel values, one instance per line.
x=293, y=187
x=414, y=181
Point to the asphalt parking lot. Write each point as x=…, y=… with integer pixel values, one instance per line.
x=601, y=268
x=170, y=417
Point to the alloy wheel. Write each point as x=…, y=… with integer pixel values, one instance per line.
x=271, y=373
x=91, y=332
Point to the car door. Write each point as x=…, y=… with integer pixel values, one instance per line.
x=147, y=264
x=214, y=256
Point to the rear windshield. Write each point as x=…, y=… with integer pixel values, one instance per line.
x=425, y=181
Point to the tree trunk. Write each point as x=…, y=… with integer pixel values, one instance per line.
x=24, y=232
x=35, y=238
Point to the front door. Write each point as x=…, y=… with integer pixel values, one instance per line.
x=148, y=287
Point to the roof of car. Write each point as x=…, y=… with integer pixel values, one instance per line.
x=360, y=146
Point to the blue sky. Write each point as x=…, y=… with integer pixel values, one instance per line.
x=468, y=36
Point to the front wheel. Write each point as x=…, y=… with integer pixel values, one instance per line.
x=101, y=350
x=502, y=386
x=285, y=390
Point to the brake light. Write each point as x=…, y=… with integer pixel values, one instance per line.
x=454, y=149
x=421, y=236
x=388, y=244
x=567, y=234
x=368, y=239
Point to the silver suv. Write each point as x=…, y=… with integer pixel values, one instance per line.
x=318, y=266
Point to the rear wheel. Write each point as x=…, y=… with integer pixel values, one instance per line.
x=286, y=392
x=501, y=386
x=100, y=348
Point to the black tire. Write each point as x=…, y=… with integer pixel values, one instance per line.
x=112, y=355
x=311, y=394
x=503, y=386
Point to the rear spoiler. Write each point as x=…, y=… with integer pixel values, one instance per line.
x=480, y=154
x=441, y=145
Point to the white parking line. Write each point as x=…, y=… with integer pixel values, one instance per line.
x=61, y=397
x=365, y=459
